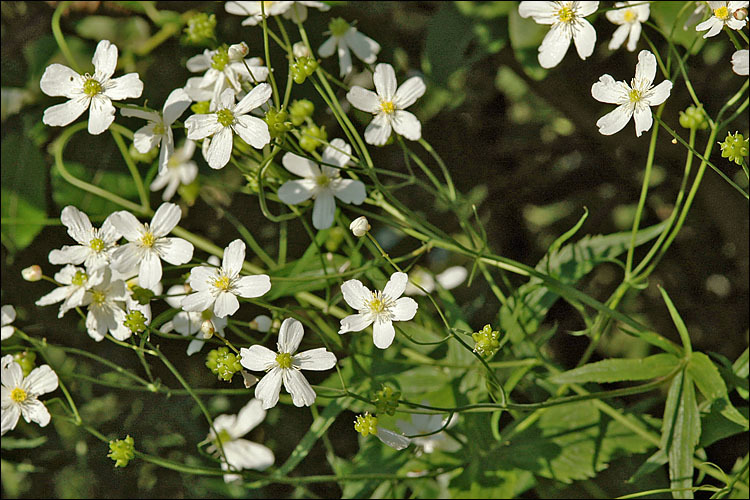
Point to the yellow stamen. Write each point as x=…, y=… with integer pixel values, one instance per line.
x=388, y=107
x=18, y=395
x=630, y=16
x=722, y=13
x=91, y=87
x=566, y=15
x=223, y=283
x=635, y=95
x=148, y=239
x=98, y=297
x=97, y=244
x=284, y=360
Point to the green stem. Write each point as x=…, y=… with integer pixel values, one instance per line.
x=142, y=193
x=60, y=39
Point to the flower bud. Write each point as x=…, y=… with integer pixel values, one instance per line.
x=740, y=14
x=122, y=451
x=208, y=329
x=299, y=49
x=238, y=51
x=735, y=147
x=32, y=273
x=360, y=226
x=261, y=323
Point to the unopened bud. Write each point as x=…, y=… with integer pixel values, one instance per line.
x=740, y=14
x=238, y=51
x=32, y=273
x=261, y=323
x=360, y=226
x=208, y=329
x=299, y=49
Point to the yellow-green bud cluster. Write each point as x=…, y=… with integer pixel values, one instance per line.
x=146, y=157
x=220, y=58
x=122, y=451
x=386, y=400
x=735, y=147
x=223, y=363
x=300, y=110
x=693, y=118
x=486, y=341
x=278, y=122
x=200, y=29
x=312, y=136
x=135, y=321
x=366, y=424
x=26, y=360
x=302, y=68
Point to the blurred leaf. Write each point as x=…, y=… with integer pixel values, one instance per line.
x=525, y=37
x=716, y=426
x=448, y=36
x=681, y=430
x=10, y=443
x=66, y=194
x=741, y=368
x=127, y=32
x=667, y=16
x=615, y=370
x=711, y=385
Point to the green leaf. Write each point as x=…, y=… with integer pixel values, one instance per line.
x=711, y=385
x=525, y=310
x=716, y=426
x=678, y=322
x=741, y=369
x=671, y=17
x=525, y=37
x=681, y=430
x=124, y=32
x=10, y=443
x=615, y=370
x=448, y=37
x=115, y=182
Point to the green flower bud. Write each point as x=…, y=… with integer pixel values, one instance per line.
x=26, y=360
x=200, y=29
x=311, y=137
x=135, y=321
x=693, y=118
x=735, y=147
x=223, y=363
x=366, y=424
x=486, y=341
x=300, y=110
x=122, y=451
x=147, y=157
x=277, y=120
x=386, y=400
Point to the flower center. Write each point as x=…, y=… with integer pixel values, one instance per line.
x=338, y=27
x=379, y=304
x=98, y=297
x=225, y=117
x=630, y=16
x=223, y=437
x=566, y=15
x=18, y=395
x=322, y=180
x=159, y=129
x=284, y=360
x=92, y=87
x=148, y=239
x=223, y=283
x=80, y=278
x=388, y=107
x=220, y=58
x=635, y=95
x=207, y=315
x=722, y=13
x=97, y=244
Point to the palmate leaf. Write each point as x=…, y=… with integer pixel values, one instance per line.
x=616, y=370
x=525, y=310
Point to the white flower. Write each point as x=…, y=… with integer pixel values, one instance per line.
x=97, y=91
x=190, y=322
x=296, y=11
x=239, y=453
x=148, y=244
x=218, y=288
x=629, y=17
x=95, y=246
x=359, y=226
x=448, y=279
x=181, y=169
x=740, y=62
x=74, y=283
x=104, y=298
x=224, y=68
x=159, y=129
x=285, y=366
x=380, y=308
x=322, y=184
x=425, y=424
x=568, y=21
x=723, y=16
x=8, y=317
x=388, y=105
x=231, y=117
x=19, y=393
x=633, y=100
x=345, y=37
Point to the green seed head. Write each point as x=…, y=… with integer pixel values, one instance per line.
x=135, y=321
x=200, y=29
x=221, y=58
x=366, y=424
x=284, y=360
x=735, y=147
x=486, y=341
x=122, y=451
x=91, y=87
x=225, y=117
x=80, y=278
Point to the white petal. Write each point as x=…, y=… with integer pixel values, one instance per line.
x=59, y=80
x=6, y=332
x=144, y=138
x=234, y=257
x=645, y=70
x=409, y=91
x=220, y=149
x=741, y=62
x=554, y=46
x=315, y=359
x=345, y=59
x=69, y=255
x=324, y=210
x=250, y=287
x=12, y=373
x=378, y=131
x=297, y=191
x=269, y=387
x=126, y=259
x=587, y=8
x=659, y=94
x=198, y=302
x=194, y=346
x=167, y=216
x=328, y=47
x=643, y=119
x=56, y=295
x=226, y=304
x=149, y=274
x=619, y=36
x=355, y=323
x=248, y=418
x=385, y=81
x=187, y=323
x=383, y=333
x=635, y=34
x=396, y=285
x=407, y=125
x=290, y=335
x=63, y=114
x=202, y=126
x=542, y=12
x=101, y=114
x=337, y=153
x=356, y=294
x=10, y=417
x=124, y=87
x=364, y=47
x=176, y=104
x=615, y=120
x=404, y=309
x=297, y=385
x=300, y=166
x=175, y=251
x=349, y=191
x=127, y=225
x=35, y=411
x=41, y=380
x=202, y=278
x=364, y=99
x=452, y=277
x=105, y=59
x=395, y=441
x=244, y=454
x=257, y=358
x=609, y=91
x=254, y=99
x=252, y=130
x=584, y=38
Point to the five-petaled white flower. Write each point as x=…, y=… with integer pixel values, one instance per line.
x=388, y=105
x=741, y=62
x=285, y=366
x=189, y=323
x=239, y=453
x=218, y=288
x=148, y=244
x=296, y=11
x=379, y=309
x=95, y=246
x=159, y=128
x=19, y=393
x=225, y=67
x=74, y=282
x=104, y=298
x=633, y=100
x=723, y=15
x=181, y=169
x=629, y=16
x=568, y=21
x=322, y=184
x=231, y=117
x=345, y=37
x=97, y=91
x=8, y=317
